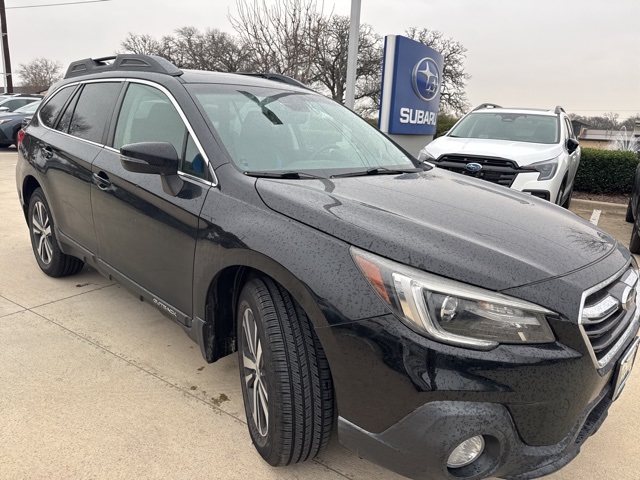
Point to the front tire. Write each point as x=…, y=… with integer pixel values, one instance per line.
x=567, y=202
x=286, y=382
x=634, y=243
x=629, y=216
x=560, y=194
x=50, y=258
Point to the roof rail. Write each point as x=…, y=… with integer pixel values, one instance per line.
x=278, y=77
x=559, y=110
x=123, y=62
x=486, y=105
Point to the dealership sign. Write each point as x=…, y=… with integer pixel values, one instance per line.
x=411, y=82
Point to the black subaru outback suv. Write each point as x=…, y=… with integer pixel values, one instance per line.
x=449, y=328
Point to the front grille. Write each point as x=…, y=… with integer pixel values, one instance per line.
x=608, y=312
x=495, y=170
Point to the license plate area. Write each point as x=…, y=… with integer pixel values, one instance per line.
x=624, y=368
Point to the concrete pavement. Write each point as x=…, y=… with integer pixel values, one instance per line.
x=96, y=385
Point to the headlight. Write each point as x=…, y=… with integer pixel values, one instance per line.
x=424, y=156
x=453, y=312
x=547, y=168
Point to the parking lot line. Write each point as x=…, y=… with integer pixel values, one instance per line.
x=595, y=217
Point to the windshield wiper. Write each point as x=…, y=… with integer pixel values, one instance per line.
x=285, y=175
x=376, y=171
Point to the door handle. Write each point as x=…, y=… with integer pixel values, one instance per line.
x=101, y=179
x=47, y=152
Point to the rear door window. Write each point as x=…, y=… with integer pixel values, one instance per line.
x=49, y=113
x=93, y=110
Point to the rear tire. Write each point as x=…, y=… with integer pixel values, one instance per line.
x=286, y=382
x=50, y=258
x=629, y=216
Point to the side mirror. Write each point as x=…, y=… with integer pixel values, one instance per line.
x=4, y=109
x=572, y=145
x=160, y=158
x=150, y=157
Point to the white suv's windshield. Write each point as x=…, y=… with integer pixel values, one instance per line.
x=267, y=129
x=515, y=127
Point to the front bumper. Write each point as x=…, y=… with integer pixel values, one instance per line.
x=547, y=189
x=419, y=445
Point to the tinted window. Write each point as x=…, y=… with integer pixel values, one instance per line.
x=569, y=128
x=65, y=118
x=52, y=109
x=147, y=115
x=93, y=110
x=193, y=163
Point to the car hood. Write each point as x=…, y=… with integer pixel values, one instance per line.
x=458, y=227
x=522, y=153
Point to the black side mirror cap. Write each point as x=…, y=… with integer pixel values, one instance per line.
x=150, y=157
x=572, y=145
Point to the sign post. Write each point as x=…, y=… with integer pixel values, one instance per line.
x=411, y=83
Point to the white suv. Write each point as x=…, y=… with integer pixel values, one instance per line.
x=534, y=151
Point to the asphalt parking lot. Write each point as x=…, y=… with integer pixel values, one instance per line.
x=96, y=384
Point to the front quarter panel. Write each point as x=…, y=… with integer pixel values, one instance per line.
x=317, y=268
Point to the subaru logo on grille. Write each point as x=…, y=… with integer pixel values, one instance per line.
x=628, y=299
x=473, y=167
x=426, y=79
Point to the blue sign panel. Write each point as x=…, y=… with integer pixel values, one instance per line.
x=411, y=81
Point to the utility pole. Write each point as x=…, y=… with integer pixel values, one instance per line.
x=6, y=60
x=352, y=59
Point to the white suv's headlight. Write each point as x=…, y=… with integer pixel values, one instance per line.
x=453, y=312
x=547, y=168
x=424, y=156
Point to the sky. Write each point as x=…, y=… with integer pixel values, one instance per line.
x=581, y=54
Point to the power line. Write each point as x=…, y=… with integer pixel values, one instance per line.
x=57, y=4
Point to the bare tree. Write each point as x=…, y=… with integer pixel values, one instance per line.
x=39, y=74
x=141, y=44
x=331, y=59
x=281, y=37
x=608, y=121
x=188, y=47
x=454, y=77
x=209, y=50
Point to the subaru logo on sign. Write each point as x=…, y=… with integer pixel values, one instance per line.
x=473, y=167
x=426, y=79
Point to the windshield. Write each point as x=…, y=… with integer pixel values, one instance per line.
x=30, y=108
x=515, y=127
x=266, y=129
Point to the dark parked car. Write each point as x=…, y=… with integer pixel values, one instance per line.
x=633, y=213
x=11, y=123
x=451, y=328
x=14, y=102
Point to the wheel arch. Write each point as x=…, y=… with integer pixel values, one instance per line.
x=29, y=185
x=219, y=299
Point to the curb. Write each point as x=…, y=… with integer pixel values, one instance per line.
x=593, y=204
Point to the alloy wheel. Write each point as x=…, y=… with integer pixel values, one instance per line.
x=41, y=226
x=254, y=374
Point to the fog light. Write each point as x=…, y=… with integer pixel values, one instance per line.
x=466, y=453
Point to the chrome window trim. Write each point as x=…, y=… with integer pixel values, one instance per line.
x=633, y=325
x=173, y=101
